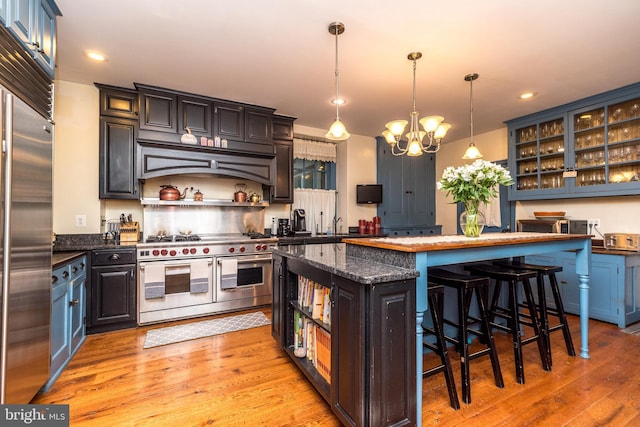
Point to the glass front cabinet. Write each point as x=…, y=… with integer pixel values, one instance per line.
x=586, y=148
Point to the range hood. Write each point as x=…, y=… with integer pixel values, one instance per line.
x=157, y=159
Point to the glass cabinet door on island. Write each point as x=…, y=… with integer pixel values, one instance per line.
x=586, y=148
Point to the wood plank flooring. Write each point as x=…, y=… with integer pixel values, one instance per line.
x=243, y=378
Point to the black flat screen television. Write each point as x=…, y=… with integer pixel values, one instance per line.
x=369, y=194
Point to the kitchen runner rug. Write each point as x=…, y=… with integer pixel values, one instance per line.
x=633, y=329
x=206, y=328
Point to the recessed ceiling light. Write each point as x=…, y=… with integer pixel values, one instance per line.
x=96, y=56
x=338, y=101
x=527, y=95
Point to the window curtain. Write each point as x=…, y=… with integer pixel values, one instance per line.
x=314, y=150
x=319, y=207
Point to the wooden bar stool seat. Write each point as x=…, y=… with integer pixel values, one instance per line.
x=466, y=286
x=512, y=313
x=545, y=311
x=435, y=296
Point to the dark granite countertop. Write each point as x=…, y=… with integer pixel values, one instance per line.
x=333, y=238
x=86, y=242
x=332, y=257
x=59, y=258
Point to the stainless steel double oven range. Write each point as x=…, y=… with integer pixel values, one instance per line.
x=181, y=276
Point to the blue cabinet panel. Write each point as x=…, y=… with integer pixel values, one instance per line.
x=60, y=320
x=587, y=148
x=408, y=192
x=68, y=306
x=614, y=293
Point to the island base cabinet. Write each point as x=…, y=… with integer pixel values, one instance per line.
x=372, y=333
x=374, y=383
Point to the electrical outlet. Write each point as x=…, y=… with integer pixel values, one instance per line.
x=81, y=220
x=593, y=223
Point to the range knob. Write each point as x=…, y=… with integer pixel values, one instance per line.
x=155, y=252
x=242, y=249
x=185, y=251
x=193, y=251
x=164, y=252
x=258, y=247
x=172, y=252
x=205, y=250
x=232, y=250
x=264, y=247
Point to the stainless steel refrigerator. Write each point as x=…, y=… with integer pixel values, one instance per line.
x=25, y=249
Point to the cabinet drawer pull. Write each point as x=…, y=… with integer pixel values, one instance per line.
x=74, y=302
x=114, y=256
x=74, y=269
x=563, y=282
x=65, y=274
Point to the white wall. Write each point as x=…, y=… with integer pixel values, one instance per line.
x=75, y=173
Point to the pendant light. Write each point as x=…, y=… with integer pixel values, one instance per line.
x=472, y=151
x=337, y=130
x=434, y=129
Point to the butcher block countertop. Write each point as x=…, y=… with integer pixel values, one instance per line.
x=448, y=242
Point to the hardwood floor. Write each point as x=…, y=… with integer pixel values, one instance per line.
x=242, y=378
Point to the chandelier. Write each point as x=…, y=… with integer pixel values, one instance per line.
x=337, y=130
x=434, y=128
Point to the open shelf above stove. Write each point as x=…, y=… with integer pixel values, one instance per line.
x=205, y=202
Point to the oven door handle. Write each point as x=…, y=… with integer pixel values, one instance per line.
x=173, y=264
x=250, y=261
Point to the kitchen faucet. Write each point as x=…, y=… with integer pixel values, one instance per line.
x=335, y=224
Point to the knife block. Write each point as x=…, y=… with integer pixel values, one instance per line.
x=129, y=232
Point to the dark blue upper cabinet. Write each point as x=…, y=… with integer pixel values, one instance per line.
x=587, y=148
x=33, y=23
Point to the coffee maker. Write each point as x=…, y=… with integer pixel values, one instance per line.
x=299, y=222
x=283, y=227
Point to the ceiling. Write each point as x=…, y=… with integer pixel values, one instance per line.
x=279, y=53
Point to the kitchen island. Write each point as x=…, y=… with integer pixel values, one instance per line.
x=423, y=252
x=361, y=266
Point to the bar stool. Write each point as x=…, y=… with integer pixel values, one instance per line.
x=546, y=329
x=515, y=318
x=435, y=296
x=466, y=286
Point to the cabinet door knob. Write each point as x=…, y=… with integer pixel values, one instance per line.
x=65, y=274
x=74, y=269
x=74, y=302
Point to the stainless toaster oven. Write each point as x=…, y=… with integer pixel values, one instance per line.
x=564, y=226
